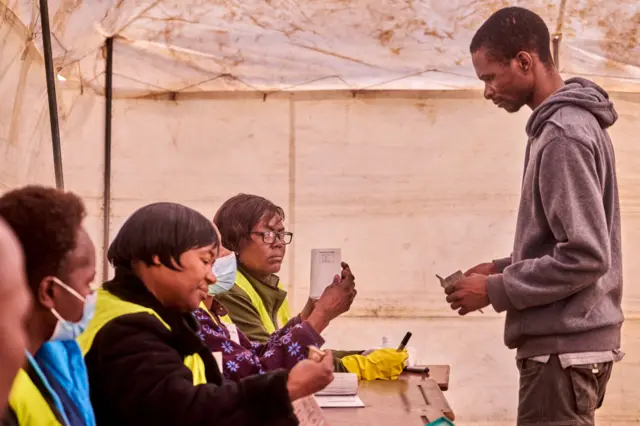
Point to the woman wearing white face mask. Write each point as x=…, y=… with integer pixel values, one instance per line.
x=240, y=356
x=52, y=387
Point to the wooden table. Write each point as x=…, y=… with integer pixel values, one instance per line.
x=398, y=402
x=439, y=373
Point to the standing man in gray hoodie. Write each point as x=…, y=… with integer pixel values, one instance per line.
x=562, y=285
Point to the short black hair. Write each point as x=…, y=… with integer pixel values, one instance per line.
x=165, y=230
x=46, y=222
x=511, y=30
x=238, y=215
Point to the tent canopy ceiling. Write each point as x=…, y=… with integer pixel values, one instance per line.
x=272, y=45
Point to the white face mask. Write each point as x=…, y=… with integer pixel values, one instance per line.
x=224, y=269
x=68, y=330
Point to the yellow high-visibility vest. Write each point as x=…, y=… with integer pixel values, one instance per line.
x=28, y=404
x=283, y=314
x=110, y=307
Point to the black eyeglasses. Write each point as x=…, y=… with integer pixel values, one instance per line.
x=269, y=237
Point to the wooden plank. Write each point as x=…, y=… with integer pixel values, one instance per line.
x=386, y=403
x=430, y=414
x=439, y=373
x=433, y=396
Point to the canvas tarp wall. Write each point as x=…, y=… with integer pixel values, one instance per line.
x=249, y=45
x=408, y=186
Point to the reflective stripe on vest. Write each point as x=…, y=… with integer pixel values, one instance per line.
x=28, y=404
x=110, y=307
x=256, y=301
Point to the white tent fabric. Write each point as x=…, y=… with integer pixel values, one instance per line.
x=275, y=45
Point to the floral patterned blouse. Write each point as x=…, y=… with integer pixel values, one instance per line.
x=284, y=349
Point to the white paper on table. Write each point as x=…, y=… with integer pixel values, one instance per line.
x=344, y=401
x=342, y=384
x=341, y=392
x=325, y=264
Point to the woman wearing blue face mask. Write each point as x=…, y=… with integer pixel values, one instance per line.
x=52, y=387
x=239, y=356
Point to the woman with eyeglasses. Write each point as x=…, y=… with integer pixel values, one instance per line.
x=252, y=227
x=285, y=347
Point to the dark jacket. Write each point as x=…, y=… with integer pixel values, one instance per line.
x=138, y=377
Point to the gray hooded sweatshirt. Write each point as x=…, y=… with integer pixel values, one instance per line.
x=562, y=285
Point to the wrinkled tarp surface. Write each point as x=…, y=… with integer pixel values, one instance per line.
x=272, y=45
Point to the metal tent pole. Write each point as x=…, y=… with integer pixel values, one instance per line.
x=108, y=90
x=51, y=93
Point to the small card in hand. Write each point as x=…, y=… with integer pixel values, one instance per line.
x=452, y=279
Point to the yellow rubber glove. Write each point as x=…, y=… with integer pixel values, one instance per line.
x=382, y=364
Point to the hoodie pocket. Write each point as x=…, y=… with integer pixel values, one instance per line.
x=543, y=320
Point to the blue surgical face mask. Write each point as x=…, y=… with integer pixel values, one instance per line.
x=68, y=330
x=224, y=269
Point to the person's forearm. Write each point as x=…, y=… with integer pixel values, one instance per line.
x=537, y=282
x=318, y=321
x=285, y=351
x=308, y=309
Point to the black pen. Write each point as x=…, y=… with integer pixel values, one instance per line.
x=404, y=342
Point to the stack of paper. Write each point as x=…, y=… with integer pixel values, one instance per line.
x=341, y=393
